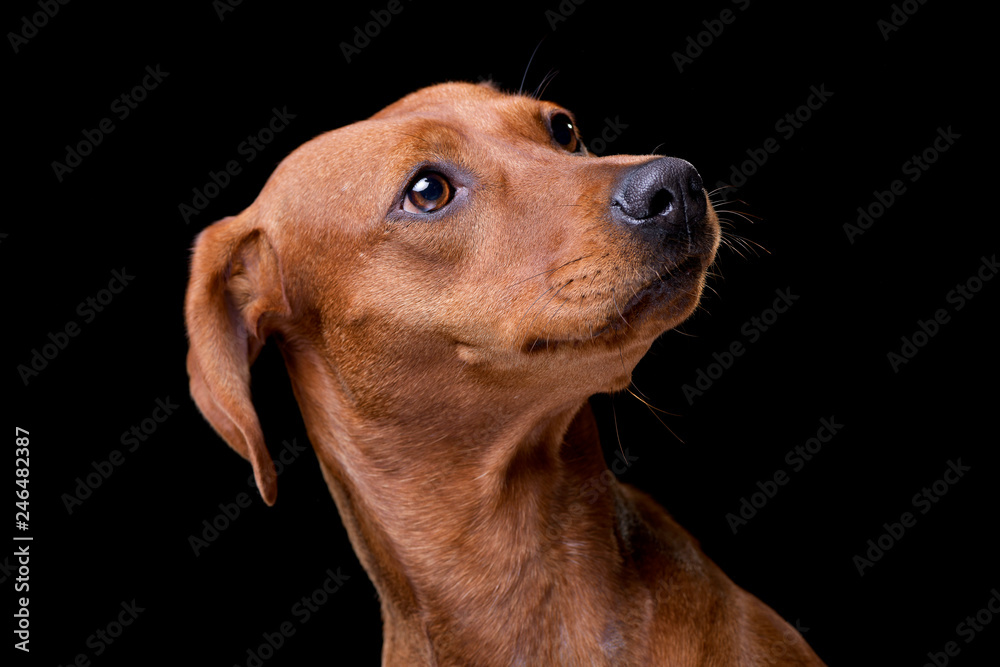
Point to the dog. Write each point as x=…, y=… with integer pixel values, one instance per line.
x=449, y=281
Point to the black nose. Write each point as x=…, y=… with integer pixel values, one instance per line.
x=666, y=193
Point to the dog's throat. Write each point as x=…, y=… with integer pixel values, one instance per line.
x=460, y=553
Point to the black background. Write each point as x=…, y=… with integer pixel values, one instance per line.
x=826, y=357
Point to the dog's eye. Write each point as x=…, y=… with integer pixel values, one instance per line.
x=563, y=132
x=428, y=193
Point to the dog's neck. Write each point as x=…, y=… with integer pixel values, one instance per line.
x=484, y=541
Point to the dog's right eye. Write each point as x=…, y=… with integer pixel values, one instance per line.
x=563, y=131
x=429, y=192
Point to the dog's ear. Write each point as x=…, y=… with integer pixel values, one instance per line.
x=235, y=294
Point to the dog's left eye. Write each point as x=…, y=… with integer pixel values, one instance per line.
x=563, y=131
x=430, y=192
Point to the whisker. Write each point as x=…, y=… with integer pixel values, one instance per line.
x=547, y=271
x=747, y=243
x=724, y=186
x=540, y=90
x=615, y=301
x=749, y=217
x=681, y=332
x=528, y=67
x=614, y=414
x=649, y=405
x=719, y=204
x=653, y=410
x=731, y=245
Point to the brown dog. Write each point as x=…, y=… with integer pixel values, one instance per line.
x=449, y=281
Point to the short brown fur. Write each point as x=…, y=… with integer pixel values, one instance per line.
x=443, y=366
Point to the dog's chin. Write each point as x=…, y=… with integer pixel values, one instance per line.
x=656, y=307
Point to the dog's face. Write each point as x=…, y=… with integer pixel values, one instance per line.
x=473, y=226
x=459, y=253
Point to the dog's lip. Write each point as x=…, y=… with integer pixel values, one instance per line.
x=649, y=298
x=653, y=293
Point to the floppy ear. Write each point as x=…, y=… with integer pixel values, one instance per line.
x=234, y=292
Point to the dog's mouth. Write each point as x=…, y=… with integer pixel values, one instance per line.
x=669, y=292
x=666, y=286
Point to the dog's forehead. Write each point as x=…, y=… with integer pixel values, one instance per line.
x=448, y=98
x=480, y=108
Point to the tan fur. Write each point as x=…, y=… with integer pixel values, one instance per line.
x=443, y=368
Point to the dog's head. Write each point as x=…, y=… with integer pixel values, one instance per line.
x=460, y=246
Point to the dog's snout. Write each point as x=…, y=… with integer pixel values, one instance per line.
x=665, y=192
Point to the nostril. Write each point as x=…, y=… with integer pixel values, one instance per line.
x=696, y=185
x=660, y=203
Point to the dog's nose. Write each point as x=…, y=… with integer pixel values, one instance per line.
x=665, y=193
